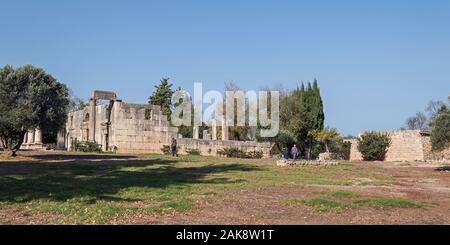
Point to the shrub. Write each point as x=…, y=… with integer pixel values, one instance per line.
x=341, y=150
x=166, y=150
x=255, y=154
x=87, y=146
x=232, y=152
x=195, y=152
x=373, y=146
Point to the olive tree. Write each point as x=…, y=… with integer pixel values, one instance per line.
x=440, y=129
x=29, y=98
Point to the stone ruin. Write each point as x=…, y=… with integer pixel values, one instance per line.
x=290, y=162
x=406, y=146
x=139, y=128
x=32, y=140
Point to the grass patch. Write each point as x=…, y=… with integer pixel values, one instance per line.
x=388, y=203
x=99, y=188
x=318, y=202
x=342, y=193
x=325, y=205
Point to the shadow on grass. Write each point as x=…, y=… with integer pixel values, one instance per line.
x=101, y=180
x=69, y=156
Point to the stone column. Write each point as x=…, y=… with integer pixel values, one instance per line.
x=25, y=138
x=214, y=129
x=61, y=140
x=195, y=132
x=38, y=136
x=30, y=137
x=92, y=105
x=224, y=129
x=206, y=136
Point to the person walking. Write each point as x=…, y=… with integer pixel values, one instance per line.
x=173, y=147
x=294, y=152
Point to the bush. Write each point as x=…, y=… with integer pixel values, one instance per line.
x=341, y=150
x=238, y=153
x=255, y=154
x=166, y=150
x=194, y=152
x=232, y=152
x=87, y=146
x=373, y=146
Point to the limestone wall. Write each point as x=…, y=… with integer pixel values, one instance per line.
x=210, y=147
x=125, y=127
x=430, y=155
x=132, y=132
x=406, y=145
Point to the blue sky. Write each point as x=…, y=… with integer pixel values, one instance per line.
x=377, y=62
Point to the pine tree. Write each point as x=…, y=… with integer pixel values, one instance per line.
x=163, y=96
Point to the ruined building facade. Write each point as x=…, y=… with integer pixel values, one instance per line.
x=137, y=128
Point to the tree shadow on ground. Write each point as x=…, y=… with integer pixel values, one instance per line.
x=68, y=156
x=101, y=180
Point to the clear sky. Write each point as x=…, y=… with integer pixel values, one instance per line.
x=377, y=62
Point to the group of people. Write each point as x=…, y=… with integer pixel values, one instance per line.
x=293, y=152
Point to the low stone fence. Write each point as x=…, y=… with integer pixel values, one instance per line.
x=210, y=147
x=285, y=162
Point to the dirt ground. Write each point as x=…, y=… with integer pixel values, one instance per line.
x=418, y=182
x=415, y=181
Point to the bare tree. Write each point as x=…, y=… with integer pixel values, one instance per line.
x=417, y=122
x=433, y=107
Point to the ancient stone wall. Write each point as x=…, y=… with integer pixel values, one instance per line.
x=406, y=145
x=132, y=132
x=431, y=155
x=210, y=147
x=126, y=127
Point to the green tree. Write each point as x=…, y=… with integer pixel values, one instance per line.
x=314, y=115
x=301, y=113
x=440, y=129
x=326, y=136
x=29, y=98
x=163, y=96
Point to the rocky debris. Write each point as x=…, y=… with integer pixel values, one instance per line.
x=326, y=156
x=288, y=162
x=443, y=168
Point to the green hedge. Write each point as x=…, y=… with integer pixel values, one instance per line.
x=194, y=152
x=87, y=146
